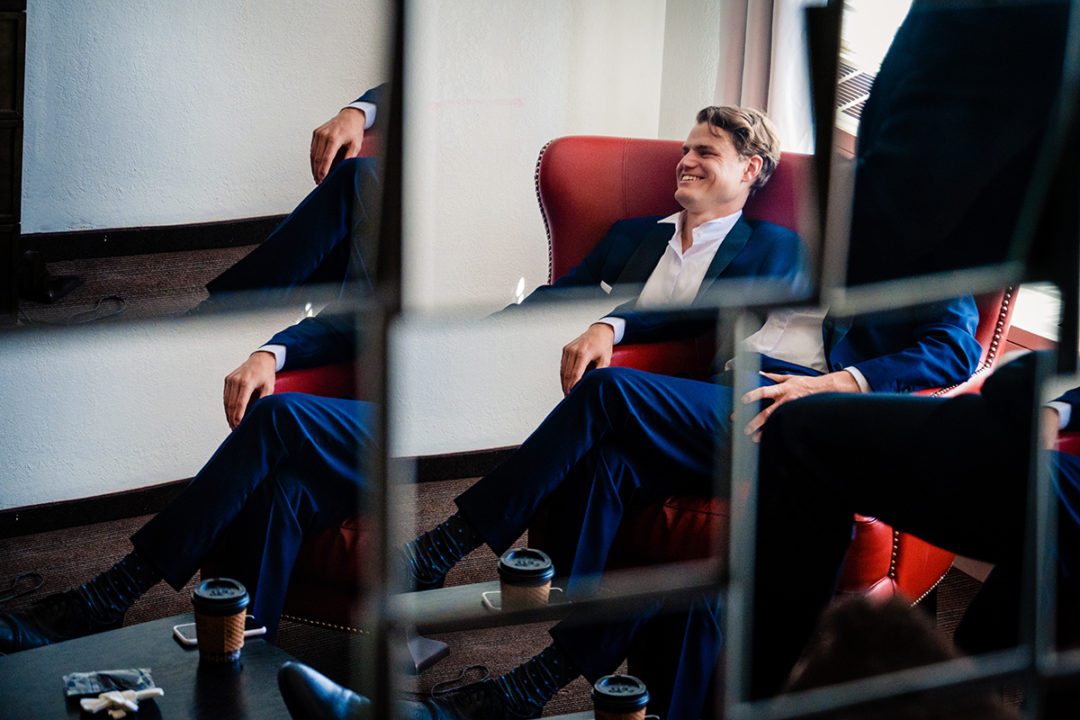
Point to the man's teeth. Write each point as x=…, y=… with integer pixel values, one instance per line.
x=689, y=177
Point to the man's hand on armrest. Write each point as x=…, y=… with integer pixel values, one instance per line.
x=793, y=387
x=590, y=349
x=343, y=133
x=247, y=383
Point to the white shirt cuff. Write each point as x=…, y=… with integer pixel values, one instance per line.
x=278, y=352
x=1064, y=411
x=618, y=325
x=864, y=386
x=368, y=110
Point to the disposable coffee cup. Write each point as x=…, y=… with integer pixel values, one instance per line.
x=220, y=606
x=619, y=697
x=525, y=578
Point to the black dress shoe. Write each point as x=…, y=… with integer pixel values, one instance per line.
x=481, y=700
x=310, y=695
x=56, y=618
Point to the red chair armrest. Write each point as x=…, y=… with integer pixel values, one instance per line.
x=1068, y=442
x=338, y=381
x=682, y=358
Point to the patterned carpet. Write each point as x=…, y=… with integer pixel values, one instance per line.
x=71, y=556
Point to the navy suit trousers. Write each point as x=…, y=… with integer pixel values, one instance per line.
x=621, y=437
x=293, y=466
x=324, y=240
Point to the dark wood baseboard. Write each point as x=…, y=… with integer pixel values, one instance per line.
x=85, y=511
x=139, y=240
x=146, y=500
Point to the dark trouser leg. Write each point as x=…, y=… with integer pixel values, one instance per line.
x=310, y=448
x=260, y=545
x=919, y=464
x=670, y=425
x=319, y=241
x=686, y=641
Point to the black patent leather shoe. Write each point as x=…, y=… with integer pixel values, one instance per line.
x=481, y=700
x=58, y=617
x=310, y=695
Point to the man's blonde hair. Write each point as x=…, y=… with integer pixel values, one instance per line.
x=752, y=133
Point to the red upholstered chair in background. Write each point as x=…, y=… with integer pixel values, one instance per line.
x=584, y=184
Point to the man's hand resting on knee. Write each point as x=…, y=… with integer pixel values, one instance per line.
x=341, y=135
x=590, y=349
x=793, y=387
x=247, y=383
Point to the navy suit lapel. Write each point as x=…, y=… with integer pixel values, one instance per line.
x=732, y=245
x=648, y=253
x=833, y=332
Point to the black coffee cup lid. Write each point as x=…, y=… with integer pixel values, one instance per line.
x=220, y=597
x=526, y=565
x=620, y=693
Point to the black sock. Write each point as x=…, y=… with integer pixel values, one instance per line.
x=432, y=554
x=529, y=686
x=120, y=586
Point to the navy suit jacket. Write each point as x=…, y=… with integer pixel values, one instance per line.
x=631, y=249
x=626, y=256
x=910, y=349
x=374, y=95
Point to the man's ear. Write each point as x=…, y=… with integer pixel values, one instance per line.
x=753, y=167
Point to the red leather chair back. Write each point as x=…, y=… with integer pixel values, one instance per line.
x=586, y=183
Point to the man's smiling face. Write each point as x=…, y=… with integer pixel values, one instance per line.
x=713, y=179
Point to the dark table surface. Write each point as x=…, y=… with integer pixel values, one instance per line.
x=31, y=685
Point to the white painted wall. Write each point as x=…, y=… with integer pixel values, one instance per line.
x=154, y=113
x=488, y=85
x=87, y=410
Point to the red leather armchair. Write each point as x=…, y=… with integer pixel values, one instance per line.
x=584, y=184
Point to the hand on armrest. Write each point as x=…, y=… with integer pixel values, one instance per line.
x=247, y=383
x=339, y=138
x=590, y=349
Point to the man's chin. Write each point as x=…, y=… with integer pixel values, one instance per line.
x=685, y=198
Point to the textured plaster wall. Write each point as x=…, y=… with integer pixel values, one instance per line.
x=693, y=43
x=489, y=85
x=154, y=113
x=461, y=384
x=88, y=411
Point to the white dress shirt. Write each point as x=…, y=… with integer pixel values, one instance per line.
x=1064, y=411
x=677, y=277
x=368, y=110
x=794, y=336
